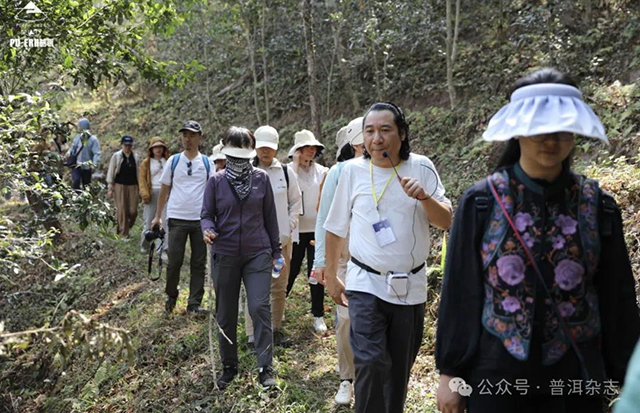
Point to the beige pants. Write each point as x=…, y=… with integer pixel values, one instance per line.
x=278, y=293
x=125, y=197
x=345, y=355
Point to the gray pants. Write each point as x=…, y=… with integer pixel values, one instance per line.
x=179, y=231
x=255, y=271
x=385, y=339
x=148, y=215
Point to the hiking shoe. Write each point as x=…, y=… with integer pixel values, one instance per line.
x=343, y=397
x=267, y=377
x=170, y=304
x=319, y=325
x=197, y=311
x=227, y=376
x=279, y=340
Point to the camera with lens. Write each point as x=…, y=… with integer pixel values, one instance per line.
x=155, y=233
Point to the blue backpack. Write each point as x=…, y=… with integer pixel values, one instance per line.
x=176, y=159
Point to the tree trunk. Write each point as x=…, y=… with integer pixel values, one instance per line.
x=314, y=101
x=452, y=38
x=336, y=46
x=264, y=65
x=587, y=11
x=252, y=58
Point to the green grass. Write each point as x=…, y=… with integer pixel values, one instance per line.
x=171, y=369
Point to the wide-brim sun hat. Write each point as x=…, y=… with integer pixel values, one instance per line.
x=305, y=138
x=266, y=137
x=542, y=109
x=235, y=152
x=157, y=141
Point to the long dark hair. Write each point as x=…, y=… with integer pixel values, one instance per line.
x=401, y=124
x=347, y=152
x=511, y=149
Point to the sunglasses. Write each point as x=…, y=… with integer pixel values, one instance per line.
x=189, y=171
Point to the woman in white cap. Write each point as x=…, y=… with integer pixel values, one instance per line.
x=538, y=295
x=288, y=201
x=349, y=141
x=310, y=175
x=150, y=173
x=240, y=223
x=218, y=158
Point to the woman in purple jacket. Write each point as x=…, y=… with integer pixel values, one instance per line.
x=239, y=222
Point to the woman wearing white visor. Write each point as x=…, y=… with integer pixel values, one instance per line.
x=349, y=141
x=310, y=174
x=538, y=295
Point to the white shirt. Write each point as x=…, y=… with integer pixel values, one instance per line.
x=156, y=168
x=187, y=192
x=287, y=199
x=309, y=182
x=353, y=212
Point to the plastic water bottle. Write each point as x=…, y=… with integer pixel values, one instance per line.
x=312, y=278
x=277, y=268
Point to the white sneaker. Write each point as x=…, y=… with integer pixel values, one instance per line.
x=343, y=397
x=165, y=257
x=319, y=325
x=251, y=339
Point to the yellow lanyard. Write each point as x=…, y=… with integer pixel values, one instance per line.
x=373, y=188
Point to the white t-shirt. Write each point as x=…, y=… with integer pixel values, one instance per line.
x=309, y=182
x=353, y=213
x=156, y=168
x=187, y=191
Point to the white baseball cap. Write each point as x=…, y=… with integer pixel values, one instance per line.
x=354, y=131
x=341, y=140
x=266, y=136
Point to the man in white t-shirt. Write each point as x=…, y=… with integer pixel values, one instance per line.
x=385, y=202
x=185, y=178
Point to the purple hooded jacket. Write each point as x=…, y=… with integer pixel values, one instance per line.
x=242, y=228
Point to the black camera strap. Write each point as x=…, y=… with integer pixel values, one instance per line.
x=150, y=268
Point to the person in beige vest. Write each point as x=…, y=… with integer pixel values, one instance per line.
x=122, y=178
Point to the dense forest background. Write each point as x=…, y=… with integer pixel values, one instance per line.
x=81, y=327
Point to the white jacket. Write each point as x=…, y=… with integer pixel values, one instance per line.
x=288, y=200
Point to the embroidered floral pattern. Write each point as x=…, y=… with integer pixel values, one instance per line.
x=511, y=304
x=568, y=274
x=511, y=269
x=567, y=240
x=523, y=221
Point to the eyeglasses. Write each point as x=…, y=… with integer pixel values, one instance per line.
x=189, y=171
x=560, y=136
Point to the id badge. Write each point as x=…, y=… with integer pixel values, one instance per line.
x=384, y=233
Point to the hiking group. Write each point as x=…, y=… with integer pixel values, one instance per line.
x=538, y=291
